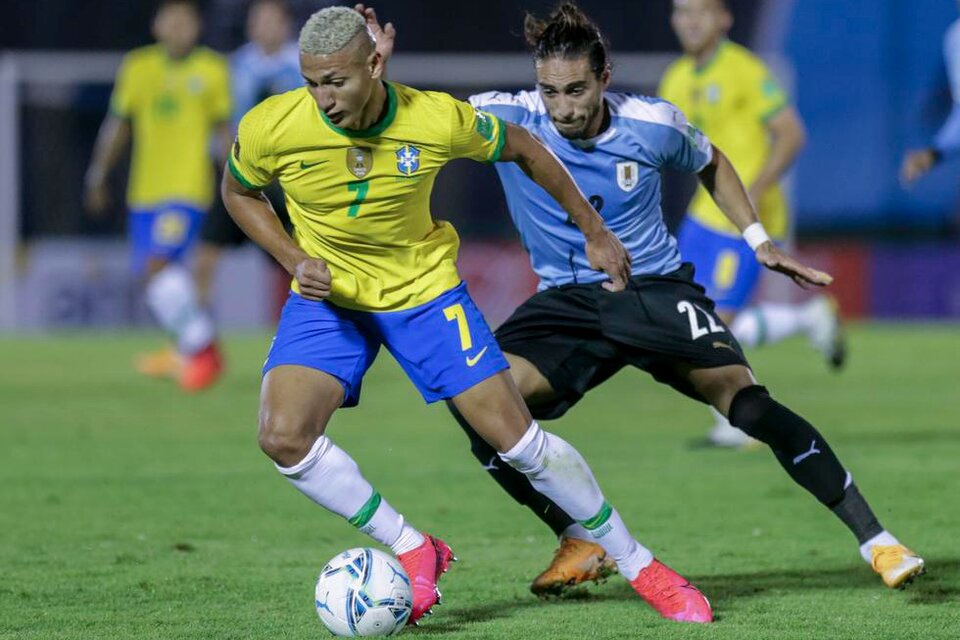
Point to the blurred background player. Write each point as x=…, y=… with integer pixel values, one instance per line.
x=946, y=144
x=266, y=65
x=173, y=97
x=730, y=95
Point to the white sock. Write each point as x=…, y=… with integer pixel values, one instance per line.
x=769, y=323
x=884, y=538
x=577, y=531
x=719, y=420
x=558, y=471
x=172, y=298
x=724, y=434
x=331, y=478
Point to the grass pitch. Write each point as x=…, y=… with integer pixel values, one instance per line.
x=128, y=510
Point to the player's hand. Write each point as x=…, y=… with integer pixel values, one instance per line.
x=770, y=256
x=96, y=198
x=314, y=278
x=606, y=253
x=385, y=35
x=916, y=164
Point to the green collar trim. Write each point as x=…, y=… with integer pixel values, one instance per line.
x=378, y=127
x=713, y=58
x=169, y=59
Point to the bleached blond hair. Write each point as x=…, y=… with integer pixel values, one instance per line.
x=330, y=30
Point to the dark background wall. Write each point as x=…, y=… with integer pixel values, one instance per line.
x=427, y=25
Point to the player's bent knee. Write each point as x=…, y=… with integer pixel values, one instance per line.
x=720, y=385
x=749, y=411
x=532, y=384
x=283, y=437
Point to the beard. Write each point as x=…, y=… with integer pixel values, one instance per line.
x=581, y=131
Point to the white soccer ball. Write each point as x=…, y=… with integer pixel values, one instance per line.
x=364, y=592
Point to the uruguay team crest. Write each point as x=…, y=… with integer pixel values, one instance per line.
x=628, y=174
x=408, y=159
x=359, y=161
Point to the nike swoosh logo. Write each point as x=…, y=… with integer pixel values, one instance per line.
x=723, y=345
x=475, y=359
x=304, y=165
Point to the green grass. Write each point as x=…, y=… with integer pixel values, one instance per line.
x=128, y=510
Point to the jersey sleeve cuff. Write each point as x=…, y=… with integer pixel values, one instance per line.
x=501, y=141
x=770, y=113
x=709, y=158
x=116, y=113
x=239, y=176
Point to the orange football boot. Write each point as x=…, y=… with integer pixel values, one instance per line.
x=575, y=562
x=896, y=564
x=162, y=363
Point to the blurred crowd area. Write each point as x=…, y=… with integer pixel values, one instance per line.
x=428, y=25
x=868, y=77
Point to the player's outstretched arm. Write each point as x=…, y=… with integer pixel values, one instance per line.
x=254, y=214
x=720, y=179
x=604, y=250
x=946, y=144
x=111, y=141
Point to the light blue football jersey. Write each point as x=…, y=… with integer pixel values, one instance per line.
x=255, y=76
x=947, y=141
x=618, y=171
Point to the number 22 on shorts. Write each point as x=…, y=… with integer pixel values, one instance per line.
x=696, y=330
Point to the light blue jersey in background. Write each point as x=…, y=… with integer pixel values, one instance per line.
x=618, y=171
x=255, y=76
x=947, y=141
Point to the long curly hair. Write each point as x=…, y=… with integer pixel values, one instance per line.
x=567, y=33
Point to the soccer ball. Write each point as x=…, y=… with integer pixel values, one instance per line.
x=363, y=592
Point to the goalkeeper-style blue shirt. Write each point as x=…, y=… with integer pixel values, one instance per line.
x=618, y=171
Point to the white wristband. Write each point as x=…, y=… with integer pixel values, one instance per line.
x=755, y=235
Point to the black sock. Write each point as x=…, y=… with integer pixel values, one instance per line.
x=512, y=481
x=857, y=515
x=804, y=454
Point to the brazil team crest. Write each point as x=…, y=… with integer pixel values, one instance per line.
x=628, y=174
x=195, y=85
x=408, y=159
x=359, y=161
x=484, y=125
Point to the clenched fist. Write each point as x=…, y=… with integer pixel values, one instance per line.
x=314, y=278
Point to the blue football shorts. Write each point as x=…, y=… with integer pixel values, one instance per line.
x=444, y=346
x=166, y=232
x=724, y=265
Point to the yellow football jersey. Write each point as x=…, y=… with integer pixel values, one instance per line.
x=730, y=99
x=360, y=200
x=173, y=106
